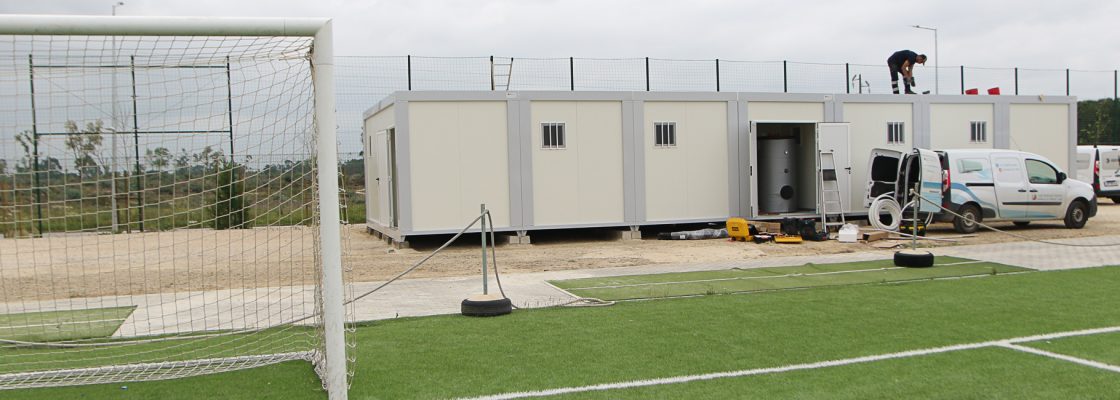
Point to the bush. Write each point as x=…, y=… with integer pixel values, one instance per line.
x=229, y=210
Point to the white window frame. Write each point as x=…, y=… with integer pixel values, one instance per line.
x=896, y=132
x=978, y=132
x=553, y=136
x=664, y=134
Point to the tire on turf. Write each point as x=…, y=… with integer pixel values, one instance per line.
x=486, y=307
x=1077, y=215
x=913, y=260
x=1021, y=223
x=962, y=225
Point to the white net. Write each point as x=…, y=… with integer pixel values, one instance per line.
x=158, y=206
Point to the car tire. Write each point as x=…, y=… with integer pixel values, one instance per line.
x=1077, y=215
x=913, y=259
x=486, y=306
x=961, y=225
x=1021, y=223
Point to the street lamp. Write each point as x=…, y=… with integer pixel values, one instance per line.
x=936, y=60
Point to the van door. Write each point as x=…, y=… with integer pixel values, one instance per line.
x=1011, y=186
x=1046, y=194
x=930, y=181
x=882, y=173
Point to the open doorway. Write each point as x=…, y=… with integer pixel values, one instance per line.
x=786, y=168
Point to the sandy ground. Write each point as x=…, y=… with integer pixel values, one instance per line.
x=75, y=266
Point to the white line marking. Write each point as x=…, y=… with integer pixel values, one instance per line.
x=61, y=323
x=795, y=367
x=1082, y=361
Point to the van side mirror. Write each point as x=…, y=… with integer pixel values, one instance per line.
x=1062, y=177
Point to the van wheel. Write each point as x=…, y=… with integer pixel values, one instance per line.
x=968, y=220
x=1077, y=215
x=1021, y=223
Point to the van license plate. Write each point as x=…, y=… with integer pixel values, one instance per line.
x=1110, y=183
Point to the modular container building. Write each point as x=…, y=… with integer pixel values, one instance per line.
x=557, y=159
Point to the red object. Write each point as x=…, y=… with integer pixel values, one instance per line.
x=1097, y=173
x=994, y=91
x=946, y=188
x=972, y=91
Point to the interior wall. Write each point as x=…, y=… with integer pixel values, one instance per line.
x=458, y=159
x=581, y=183
x=805, y=183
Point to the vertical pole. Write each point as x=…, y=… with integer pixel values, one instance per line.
x=936, y=63
x=410, y=72
x=572, y=72
x=1066, y=81
x=647, y=74
x=330, y=238
x=914, y=222
x=35, y=150
x=136, y=144
x=847, y=78
x=114, y=218
x=1115, y=85
x=229, y=106
x=482, y=208
x=1016, y=81
x=717, y=74
x=491, y=72
x=962, y=79
x=785, y=78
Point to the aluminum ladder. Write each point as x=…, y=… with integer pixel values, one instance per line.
x=831, y=198
x=500, y=73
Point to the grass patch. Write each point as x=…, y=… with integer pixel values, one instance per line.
x=52, y=326
x=451, y=356
x=774, y=278
x=1103, y=348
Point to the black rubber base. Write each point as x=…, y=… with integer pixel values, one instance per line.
x=913, y=259
x=486, y=307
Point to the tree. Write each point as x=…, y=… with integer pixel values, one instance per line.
x=159, y=158
x=27, y=143
x=86, y=146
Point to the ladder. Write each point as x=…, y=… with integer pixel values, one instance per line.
x=831, y=198
x=500, y=73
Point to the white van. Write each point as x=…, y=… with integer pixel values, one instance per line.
x=984, y=185
x=1100, y=167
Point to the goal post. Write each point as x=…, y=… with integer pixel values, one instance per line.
x=191, y=294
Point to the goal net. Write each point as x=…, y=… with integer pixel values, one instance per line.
x=168, y=199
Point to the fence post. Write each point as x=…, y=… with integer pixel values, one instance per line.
x=1114, y=85
x=410, y=72
x=572, y=72
x=491, y=72
x=1016, y=81
x=962, y=79
x=35, y=150
x=785, y=78
x=717, y=74
x=647, y=74
x=1066, y=81
x=847, y=78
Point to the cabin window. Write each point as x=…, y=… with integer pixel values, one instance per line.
x=552, y=135
x=896, y=132
x=979, y=132
x=1041, y=173
x=664, y=134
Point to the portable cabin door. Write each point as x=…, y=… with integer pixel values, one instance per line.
x=833, y=137
x=752, y=143
x=381, y=145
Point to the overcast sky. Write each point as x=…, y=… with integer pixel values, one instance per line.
x=1079, y=34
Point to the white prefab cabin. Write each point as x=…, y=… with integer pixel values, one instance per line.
x=556, y=159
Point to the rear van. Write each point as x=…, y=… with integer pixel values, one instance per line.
x=1099, y=166
x=984, y=185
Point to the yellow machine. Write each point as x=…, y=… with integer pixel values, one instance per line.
x=738, y=229
x=787, y=239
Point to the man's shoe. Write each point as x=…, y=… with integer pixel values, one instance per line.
x=909, y=92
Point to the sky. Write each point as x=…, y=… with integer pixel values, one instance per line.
x=1029, y=34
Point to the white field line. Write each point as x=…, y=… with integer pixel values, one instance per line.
x=60, y=323
x=788, y=368
x=1063, y=357
x=743, y=278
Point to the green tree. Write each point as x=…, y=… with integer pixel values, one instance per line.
x=159, y=158
x=86, y=146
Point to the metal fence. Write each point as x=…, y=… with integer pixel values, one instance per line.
x=363, y=81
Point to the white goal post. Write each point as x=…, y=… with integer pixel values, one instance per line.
x=164, y=84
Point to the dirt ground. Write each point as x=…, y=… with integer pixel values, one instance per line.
x=74, y=266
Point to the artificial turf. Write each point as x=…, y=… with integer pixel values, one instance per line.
x=52, y=326
x=1103, y=348
x=452, y=356
x=679, y=284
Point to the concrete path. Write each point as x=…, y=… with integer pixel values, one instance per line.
x=238, y=309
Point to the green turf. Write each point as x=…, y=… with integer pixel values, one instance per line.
x=990, y=373
x=450, y=356
x=759, y=279
x=51, y=326
x=284, y=381
x=1103, y=348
